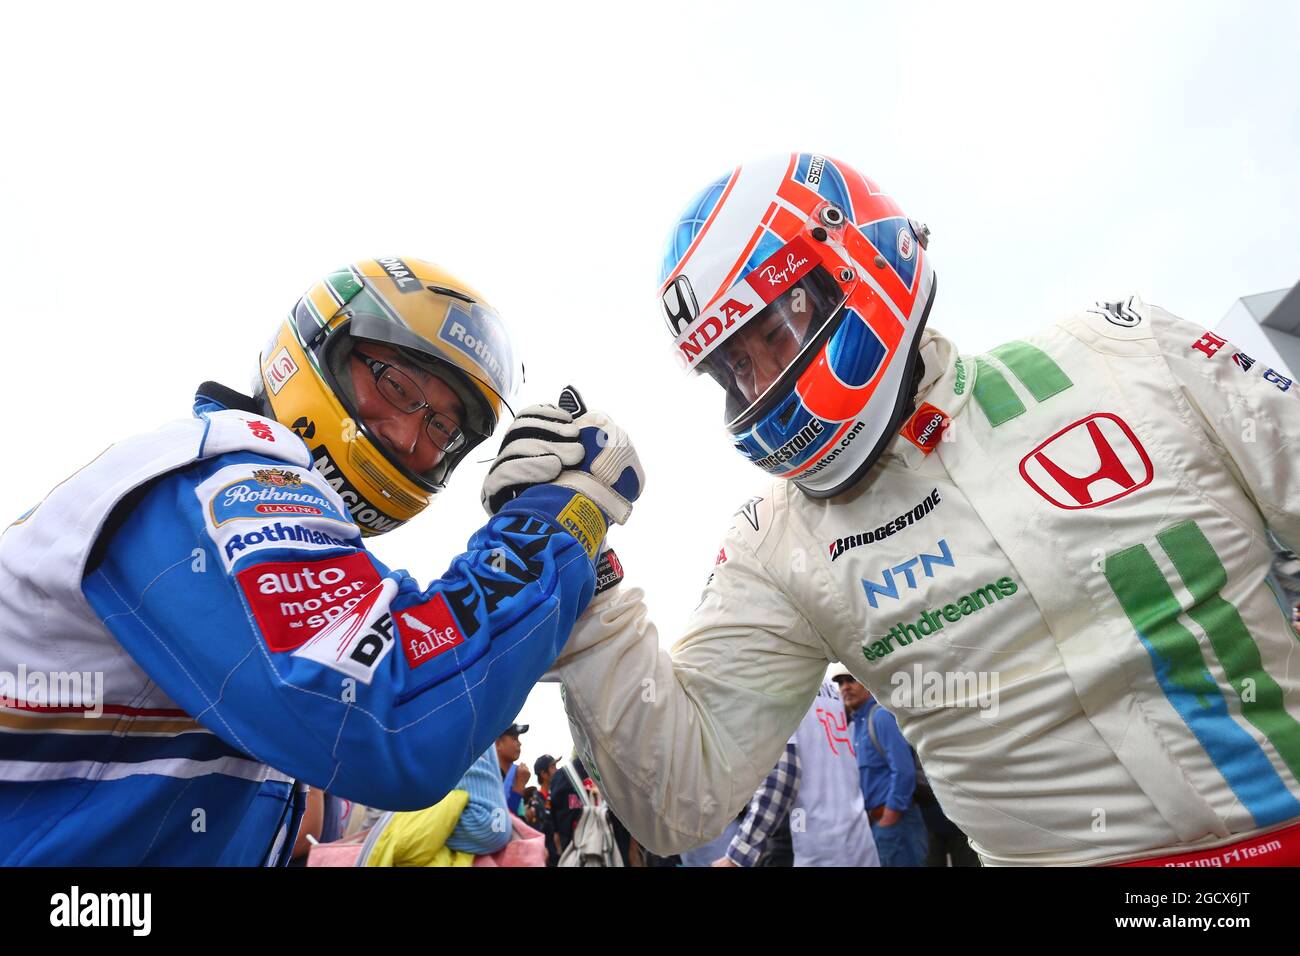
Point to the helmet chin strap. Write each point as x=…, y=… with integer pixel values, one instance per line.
x=918, y=374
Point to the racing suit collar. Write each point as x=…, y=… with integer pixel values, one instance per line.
x=215, y=397
x=946, y=384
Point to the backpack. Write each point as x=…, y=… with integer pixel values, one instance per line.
x=923, y=795
x=593, y=838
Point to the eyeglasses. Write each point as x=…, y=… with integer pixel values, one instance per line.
x=400, y=391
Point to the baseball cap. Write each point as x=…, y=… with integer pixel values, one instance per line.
x=542, y=762
x=514, y=730
x=839, y=672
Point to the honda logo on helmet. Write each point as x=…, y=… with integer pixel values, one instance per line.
x=1093, y=462
x=680, y=306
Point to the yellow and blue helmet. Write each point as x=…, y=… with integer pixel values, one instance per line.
x=435, y=321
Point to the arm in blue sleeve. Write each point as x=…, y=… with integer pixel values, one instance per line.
x=277, y=630
x=772, y=801
x=484, y=825
x=902, y=769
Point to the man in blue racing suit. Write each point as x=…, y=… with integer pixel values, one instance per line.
x=191, y=627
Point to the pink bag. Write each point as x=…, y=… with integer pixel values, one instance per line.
x=339, y=853
x=527, y=847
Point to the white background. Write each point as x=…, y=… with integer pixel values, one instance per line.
x=172, y=177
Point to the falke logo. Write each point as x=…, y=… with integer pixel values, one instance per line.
x=1091, y=463
x=428, y=630
x=890, y=577
x=925, y=429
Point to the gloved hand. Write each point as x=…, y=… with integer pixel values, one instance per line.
x=567, y=445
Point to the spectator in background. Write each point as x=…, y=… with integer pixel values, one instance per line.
x=715, y=849
x=566, y=811
x=949, y=846
x=814, y=791
x=514, y=775
x=544, y=771
x=888, y=777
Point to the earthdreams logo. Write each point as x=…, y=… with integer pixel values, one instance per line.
x=932, y=622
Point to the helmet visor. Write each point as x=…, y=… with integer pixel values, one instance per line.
x=758, y=360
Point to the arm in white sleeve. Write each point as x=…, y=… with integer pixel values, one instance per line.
x=681, y=739
x=1251, y=414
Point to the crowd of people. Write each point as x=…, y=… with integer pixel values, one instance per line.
x=847, y=791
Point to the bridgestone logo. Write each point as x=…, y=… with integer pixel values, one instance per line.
x=903, y=521
x=795, y=445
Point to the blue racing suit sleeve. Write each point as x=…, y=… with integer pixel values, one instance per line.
x=241, y=587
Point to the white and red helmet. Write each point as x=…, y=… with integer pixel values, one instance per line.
x=811, y=256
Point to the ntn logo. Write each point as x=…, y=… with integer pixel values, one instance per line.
x=888, y=586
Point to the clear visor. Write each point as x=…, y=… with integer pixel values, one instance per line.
x=774, y=345
x=400, y=377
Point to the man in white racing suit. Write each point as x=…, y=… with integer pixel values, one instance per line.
x=1048, y=561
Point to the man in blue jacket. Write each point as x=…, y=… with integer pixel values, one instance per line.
x=191, y=626
x=888, y=772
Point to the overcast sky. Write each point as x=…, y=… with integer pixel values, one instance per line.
x=173, y=177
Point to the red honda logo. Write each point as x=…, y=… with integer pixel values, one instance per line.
x=1093, y=462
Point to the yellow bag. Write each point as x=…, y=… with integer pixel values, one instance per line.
x=419, y=837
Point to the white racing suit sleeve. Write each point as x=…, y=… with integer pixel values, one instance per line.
x=681, y=739
x=1250, y=415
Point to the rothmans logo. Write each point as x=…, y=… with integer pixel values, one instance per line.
x=277, y=477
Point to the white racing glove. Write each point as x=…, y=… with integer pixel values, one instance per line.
x=566, y=445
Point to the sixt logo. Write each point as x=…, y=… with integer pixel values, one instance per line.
x=889, y=585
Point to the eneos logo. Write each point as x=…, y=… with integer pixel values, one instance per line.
x=925, y=428
x=1091, y=463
